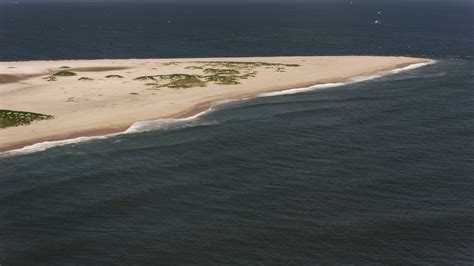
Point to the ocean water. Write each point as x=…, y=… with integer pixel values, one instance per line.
x=373, y=172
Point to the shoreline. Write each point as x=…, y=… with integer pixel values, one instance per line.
x=202, y=107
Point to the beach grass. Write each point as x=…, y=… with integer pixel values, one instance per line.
x=86, y=79
x=216, y=72
x=9, y=118
x=249, y=75
x=219, y=71
x=194, y=67
x=145, y=78
x=175, y=76
x=223, y=79
x=184, y=82
x=50, y=78
x=64, y=73
x=237, y=64
x=114, y=76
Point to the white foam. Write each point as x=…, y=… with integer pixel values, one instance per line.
x=170, y=123
x=42, y=146
x=165, y=124
x=363, y=78
x=300, y=90
x=347, y=81
x=411, y=67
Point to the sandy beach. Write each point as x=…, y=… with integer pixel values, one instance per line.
x=108, y=96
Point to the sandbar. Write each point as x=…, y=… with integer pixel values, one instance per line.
x=108, y=96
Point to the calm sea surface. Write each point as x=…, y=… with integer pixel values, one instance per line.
x=378, y=172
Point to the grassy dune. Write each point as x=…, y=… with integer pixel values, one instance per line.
x=9, y=118
x=217, y=72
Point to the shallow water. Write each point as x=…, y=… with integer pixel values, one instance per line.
x=374, y=172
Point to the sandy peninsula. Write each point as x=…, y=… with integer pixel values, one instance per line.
x=97, y=97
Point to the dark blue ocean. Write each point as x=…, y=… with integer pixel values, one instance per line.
x=377, y=172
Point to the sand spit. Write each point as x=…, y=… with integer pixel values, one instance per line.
x=98, y=97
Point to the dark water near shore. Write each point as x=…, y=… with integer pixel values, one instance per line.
x=376, y=172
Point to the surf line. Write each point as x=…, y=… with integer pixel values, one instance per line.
x=348, y=81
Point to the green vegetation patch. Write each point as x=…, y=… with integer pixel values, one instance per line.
x=243, y=65
x=249, y=75
x=184, y=83
x=64, y=67
x=86, y=79
x=194, y=67
x=51, y=78
x=64, y=73
x=171, y=63
x=145, y=78
x=223, y=80
x=9, y=118
x=114, y=76
x=175, y=76
x=231, y=65
x=218, y=71
x=176, y=81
